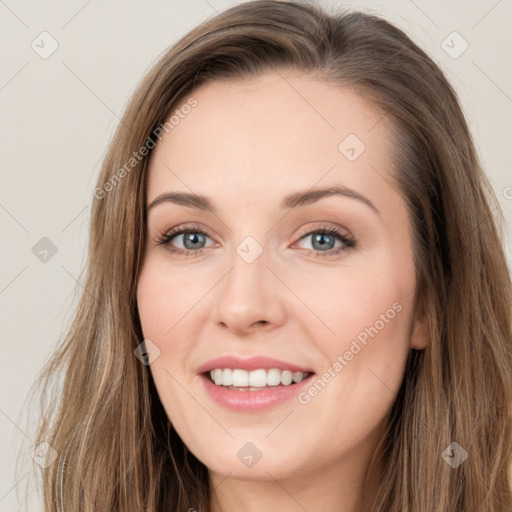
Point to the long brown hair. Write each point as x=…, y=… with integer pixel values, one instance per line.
x=116, y=449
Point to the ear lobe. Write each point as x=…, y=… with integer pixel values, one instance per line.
x=419, y=332
x=419, y=336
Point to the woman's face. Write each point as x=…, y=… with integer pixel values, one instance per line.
x=297, y=264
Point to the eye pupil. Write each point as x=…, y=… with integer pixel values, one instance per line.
x=194, y=238
x=320, y=239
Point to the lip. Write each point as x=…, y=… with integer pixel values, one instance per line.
x=252, y=401
x=251, y=363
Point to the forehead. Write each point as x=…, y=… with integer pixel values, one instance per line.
x=280, y=130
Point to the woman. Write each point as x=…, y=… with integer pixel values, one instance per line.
x=297, y=297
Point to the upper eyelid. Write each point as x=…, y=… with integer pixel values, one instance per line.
x=336, y=230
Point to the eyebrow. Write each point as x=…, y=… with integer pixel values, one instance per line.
x=295, y=200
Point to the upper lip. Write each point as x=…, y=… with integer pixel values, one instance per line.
x=250, y=363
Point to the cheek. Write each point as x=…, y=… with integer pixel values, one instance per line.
x=165, y=298
x=172, y=312
x=364, y=367
x=368, y=310
x=356, y=300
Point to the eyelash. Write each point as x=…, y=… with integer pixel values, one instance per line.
x=165, y=239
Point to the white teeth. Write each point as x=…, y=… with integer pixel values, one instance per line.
x=227, y=377
x=240, y=378
x=217, y=377
x=256, y=378
x=273, y=377
x=298, y=376
x=286, y=378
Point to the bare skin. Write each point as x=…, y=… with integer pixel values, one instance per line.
x=247, y=145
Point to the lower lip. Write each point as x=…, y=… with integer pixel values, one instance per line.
x=244, y=401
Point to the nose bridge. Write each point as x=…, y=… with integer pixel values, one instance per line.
x=248, y=267
x=247, y=280
x=249, y=294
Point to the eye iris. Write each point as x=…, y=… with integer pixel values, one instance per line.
x=320, y=239
x=193, y=238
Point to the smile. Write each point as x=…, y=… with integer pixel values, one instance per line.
x=243, y=380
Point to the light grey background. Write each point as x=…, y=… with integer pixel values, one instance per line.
x=59, y=113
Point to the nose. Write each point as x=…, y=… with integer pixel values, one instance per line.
x=250, y=298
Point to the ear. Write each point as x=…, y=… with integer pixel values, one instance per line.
x=419, y=335
x=419, y=330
